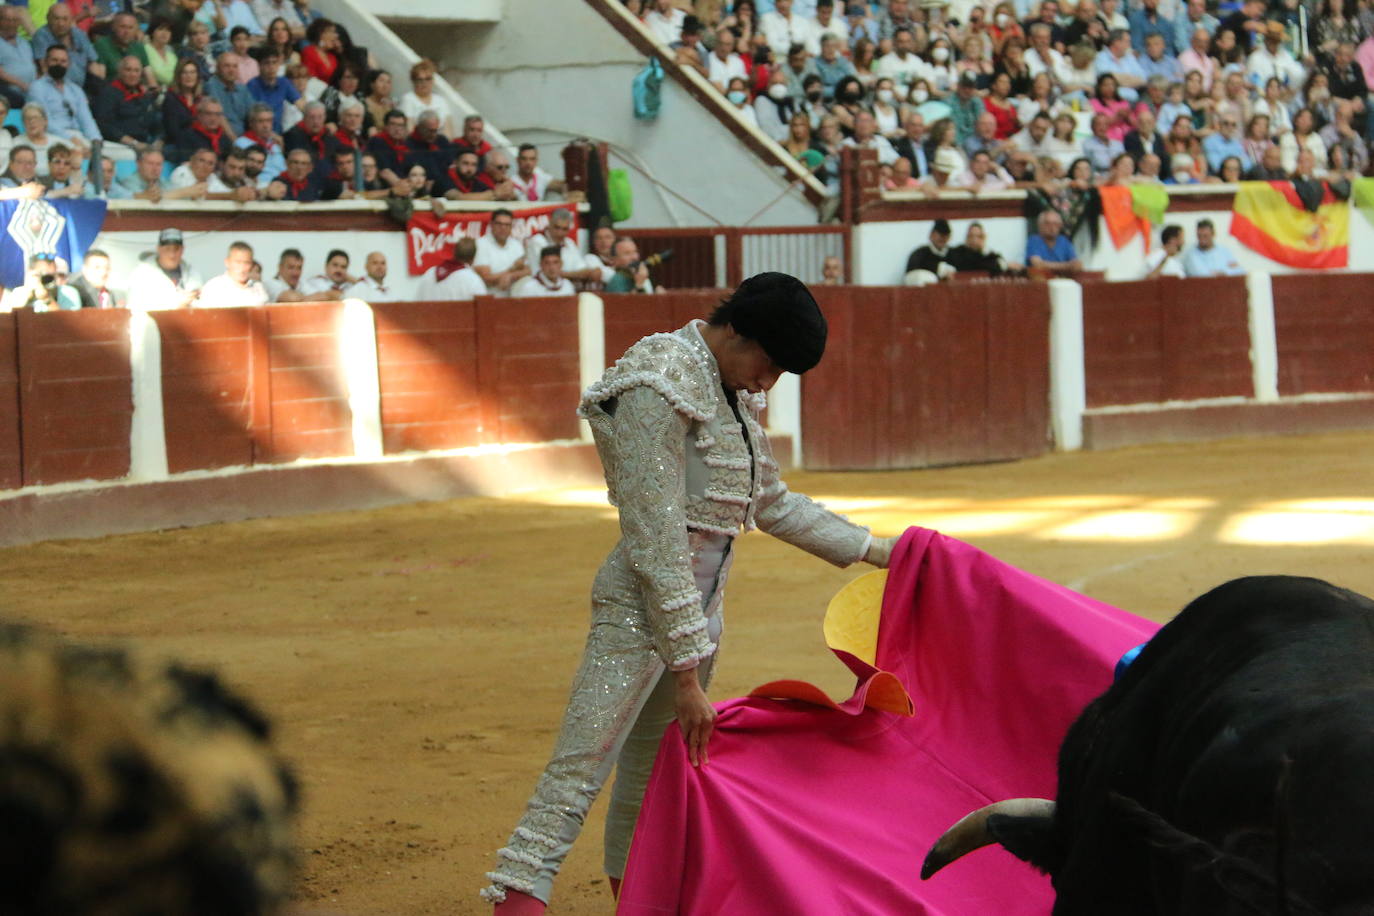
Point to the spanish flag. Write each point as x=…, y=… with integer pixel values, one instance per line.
x=1270, y=219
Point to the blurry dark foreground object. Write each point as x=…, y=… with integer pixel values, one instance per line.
x=133, y=787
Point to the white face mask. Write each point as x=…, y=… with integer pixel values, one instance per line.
x=885, y=96
x=737, y=97
x=940, y=55
x=777, y=92
x=1003, y=20
x=919, y=95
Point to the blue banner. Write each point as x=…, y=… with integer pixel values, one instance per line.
x=65, y=228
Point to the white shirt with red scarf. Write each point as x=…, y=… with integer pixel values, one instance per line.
x=451, y=282
x=533, y=188
x=540, y=285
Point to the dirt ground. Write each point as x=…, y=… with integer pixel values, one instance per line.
x=416, y=658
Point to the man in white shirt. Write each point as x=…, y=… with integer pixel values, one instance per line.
x=373, y=287
x=235, y=287
x=286, y=285
x=1041, y=56
x=329, y=286
x=500, y=260
x=826, y=22
x=982, y=174
x=1167, y=259
x=559, y=234
x=782, y=29
x=665, y=22
x=531, y=182
x=866, y=136
x=1035, y=137
x=723, y=64
x=549, y=280
x=1272, y=59
x=902, y=65
x=165, y=281
x=454, y=280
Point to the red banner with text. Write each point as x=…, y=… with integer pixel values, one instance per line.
x=430, y=239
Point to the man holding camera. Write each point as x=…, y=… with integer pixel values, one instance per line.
x=631, y=273
x=42, y=290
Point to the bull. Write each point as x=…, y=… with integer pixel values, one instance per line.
x=1228, y=770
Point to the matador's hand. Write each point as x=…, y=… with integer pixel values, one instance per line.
x=695, y=715
x=880, y=551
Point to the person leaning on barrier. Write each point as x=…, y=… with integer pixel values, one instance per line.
x=231, y=181
x=164, y=280
x=930, y=263
x=454, y=280
x=631, y=273
x=90, y=287
x=559, y=234
x=600, y=257
x=236, y=286
x=64, y=178
x=331, y=284
x=42, y=290
x=548, y=280
x=975, y=255
x=501, y=260
x=372, y=287
x=1167, y=259
x=285, y=286
x=1049, y=250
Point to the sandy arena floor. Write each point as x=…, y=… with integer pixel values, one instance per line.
x=416, y=658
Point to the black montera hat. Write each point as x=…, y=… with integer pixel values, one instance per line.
x=779, y=312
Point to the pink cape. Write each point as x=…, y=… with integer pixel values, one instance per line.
x=823, y=809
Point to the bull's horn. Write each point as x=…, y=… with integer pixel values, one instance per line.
x=971, y=832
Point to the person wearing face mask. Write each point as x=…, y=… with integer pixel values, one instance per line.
x=940, y=76
x=887, y=109
x=774, y=109
x=737, y=94
x=848, y=103
x=812, y=102
x=902, y=66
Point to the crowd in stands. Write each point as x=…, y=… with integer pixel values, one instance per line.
x=549, y=263
x=1054, y=95
x=244, y=100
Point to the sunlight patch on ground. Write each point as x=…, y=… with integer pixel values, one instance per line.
x=1306, y=521
x=1124, y=526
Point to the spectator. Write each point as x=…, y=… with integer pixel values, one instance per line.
x=1063, y=143
x=982, y=175
x=743, y=21
x=976, y=61
x=559, y=234
x=473, y=138
x=827, y=22
x=321, y=54
x=600, y=257
x=69, y=114
x=1080, y=74
x=1167, y=259
x=207, y=131
x=280, y=39
x=311, y=135
x=1100, y=148
x=299, y=182
x=1087, y=27
x=179, y=103
x=231, y=182
x=998, y=104
x=930, y=262
x=665, y=22
x=1043, y=57
x=63, y=180
x=235, y=288
x=530, y=181
x=268, y=12
x=800, y=70
x=898, y=17
x=430, y=147
x=37, y=136
x=1197, y=59
x=1148, y=169
x=379, y=101
x=1275, y=109
x=372, y=287
x=1158, y=61
x=688, y=50
x=454, y=280
x=197, y=50
x=122, y=41
x=1346, y=77
x=239, y=42
x=911, y=146
x=285, y=285
x=966, y=108
x=1273, y=60
x=984, y=137
x=1147, y=21
x=145, y=182
x=162, y=57
x=1308, y=168
x=255, y=165
x=42, y=290
x=335, y=279
x=419, y=185
x=1146, y=138
x=832, y=271
x=887, y=108
x=61, y=30
x=17, y=67
x=422, y=97
x=1118, y=60
x=1230, y=171
x=351, y=134
x=500, y=259
x=832, y=67
x=1245, y=23
x=125, y=111
x=1049, y=249
x=463, y=181
x=239, y=14
x=259, y=133
x=1036, y=138
x=1341, y=134
x=341, y=181
x=900, y=178
x=1303, y=136
x=631, y=273
x=388, y=146
x=1257, y=137
x=1224, y=142
x=191, y=179
x=226, y=89
x=548, y=280
x=1120, y=114
x=347, y=85
x=866, y=136
x=165, y=281
x=782, y=29
x=1188, y=23
x=975, y=255
x=90, y=287
x=269, y=89
x=722, y=64
x=1207, y=258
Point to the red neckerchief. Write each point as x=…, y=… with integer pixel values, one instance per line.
x=215, y=139
x=546, y=283
x=265, y=144
x=397, y=147
x=295, y=187
x=423, y=144
x=443, y=271
x=480, y=182
x=479, y=150
x=129, y=93
x=316, y=140
x=348, y=138
x=187, y=101
x=532, y=189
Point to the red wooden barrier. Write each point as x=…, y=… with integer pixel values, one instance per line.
x=1325, y=330
x=527, y=368
x=11, y=456
x=939, y=375
x=207, y=388
x=310, y=416
x=76, y=395
x=1166, y=340
x=628, y=317
x=427, y=367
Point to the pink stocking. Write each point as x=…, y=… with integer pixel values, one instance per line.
x=518, y=904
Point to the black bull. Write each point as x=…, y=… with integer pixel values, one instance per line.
x=1229, y=770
